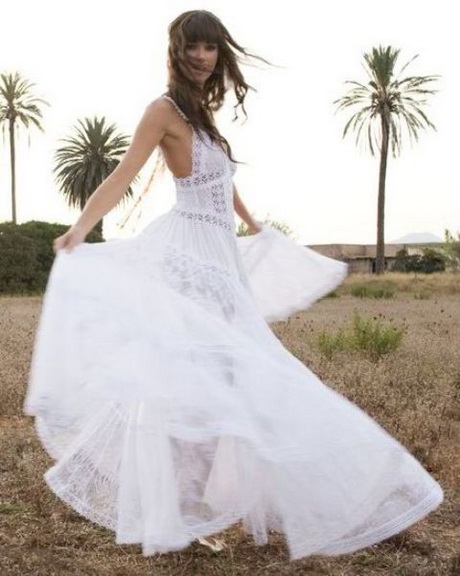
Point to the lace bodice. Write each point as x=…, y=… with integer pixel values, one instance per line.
x=206, y=195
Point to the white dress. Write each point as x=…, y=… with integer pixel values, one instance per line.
x=172, y=410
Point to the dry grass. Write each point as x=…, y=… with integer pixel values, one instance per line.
x=413, y=393
x=438, y=283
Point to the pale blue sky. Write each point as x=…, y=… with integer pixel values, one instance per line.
x=108, y=57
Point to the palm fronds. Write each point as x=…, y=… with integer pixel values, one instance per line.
x=87, y=158
x=389, y=98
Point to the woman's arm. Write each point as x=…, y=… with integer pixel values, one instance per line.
x=148, y=134
x=243, y=213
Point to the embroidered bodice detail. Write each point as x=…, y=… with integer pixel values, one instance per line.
x=206, y=194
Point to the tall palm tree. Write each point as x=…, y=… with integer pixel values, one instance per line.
x=383, y=109
x=18, y=106
x=87, y=158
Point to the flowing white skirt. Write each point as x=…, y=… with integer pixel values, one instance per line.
x=173, y=411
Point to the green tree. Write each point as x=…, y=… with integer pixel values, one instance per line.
x=18, y=108
x=384, y=108
x=87, y=158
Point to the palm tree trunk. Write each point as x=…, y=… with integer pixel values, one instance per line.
x=380, y=256
x=98, y=227
x=13, y=171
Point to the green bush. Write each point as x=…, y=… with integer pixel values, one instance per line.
x=372, y=290
x=26, y=255
x=332, y=294
x=329, y=344
x=426, y=263
x=19, y=266
x=367, y=335
x=373, y=337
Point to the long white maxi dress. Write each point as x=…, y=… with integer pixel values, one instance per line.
x=172, y=410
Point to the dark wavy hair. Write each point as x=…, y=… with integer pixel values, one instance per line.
x=199, y=103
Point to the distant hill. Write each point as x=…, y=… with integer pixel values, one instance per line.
x=417, y=238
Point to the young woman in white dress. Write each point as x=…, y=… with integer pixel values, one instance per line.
x=171, y=409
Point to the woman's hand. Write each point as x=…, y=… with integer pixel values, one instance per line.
x=253, y=225
x=74, y=236
x=254, y=228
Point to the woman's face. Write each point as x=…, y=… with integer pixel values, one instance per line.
x=202, y=59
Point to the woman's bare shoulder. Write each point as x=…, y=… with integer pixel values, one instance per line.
x=159, y=108
x=163, y=113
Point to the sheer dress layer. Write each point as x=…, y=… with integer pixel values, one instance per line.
x=171, y=409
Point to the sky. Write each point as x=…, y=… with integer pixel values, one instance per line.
x=101, y=57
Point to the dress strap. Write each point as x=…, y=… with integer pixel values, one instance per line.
x=180, y=112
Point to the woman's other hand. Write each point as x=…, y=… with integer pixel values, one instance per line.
x=254, y=228
x=67, y=241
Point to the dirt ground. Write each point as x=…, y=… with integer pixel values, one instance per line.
x=413, y=393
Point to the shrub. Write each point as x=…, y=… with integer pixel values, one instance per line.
x=426, y=263
x=432, y=261
x=19, y=265
x=373, y=337
x=372, y=290
x=330, y=344
x=332, y=294
x=26, y=255
x=367, y=335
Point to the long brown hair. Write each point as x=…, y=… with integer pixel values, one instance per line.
x=199, y=103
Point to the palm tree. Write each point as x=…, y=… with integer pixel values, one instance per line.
x=384, y=108
x=87, y=158
x=18, y=106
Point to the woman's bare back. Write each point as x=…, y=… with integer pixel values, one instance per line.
x=176, y=144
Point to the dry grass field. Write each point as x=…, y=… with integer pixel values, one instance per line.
x=413, y=392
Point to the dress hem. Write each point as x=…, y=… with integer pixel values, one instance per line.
x=347, y=546
x=395, y=526
x=130, y=538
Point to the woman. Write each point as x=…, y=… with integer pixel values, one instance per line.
x=171, y=408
